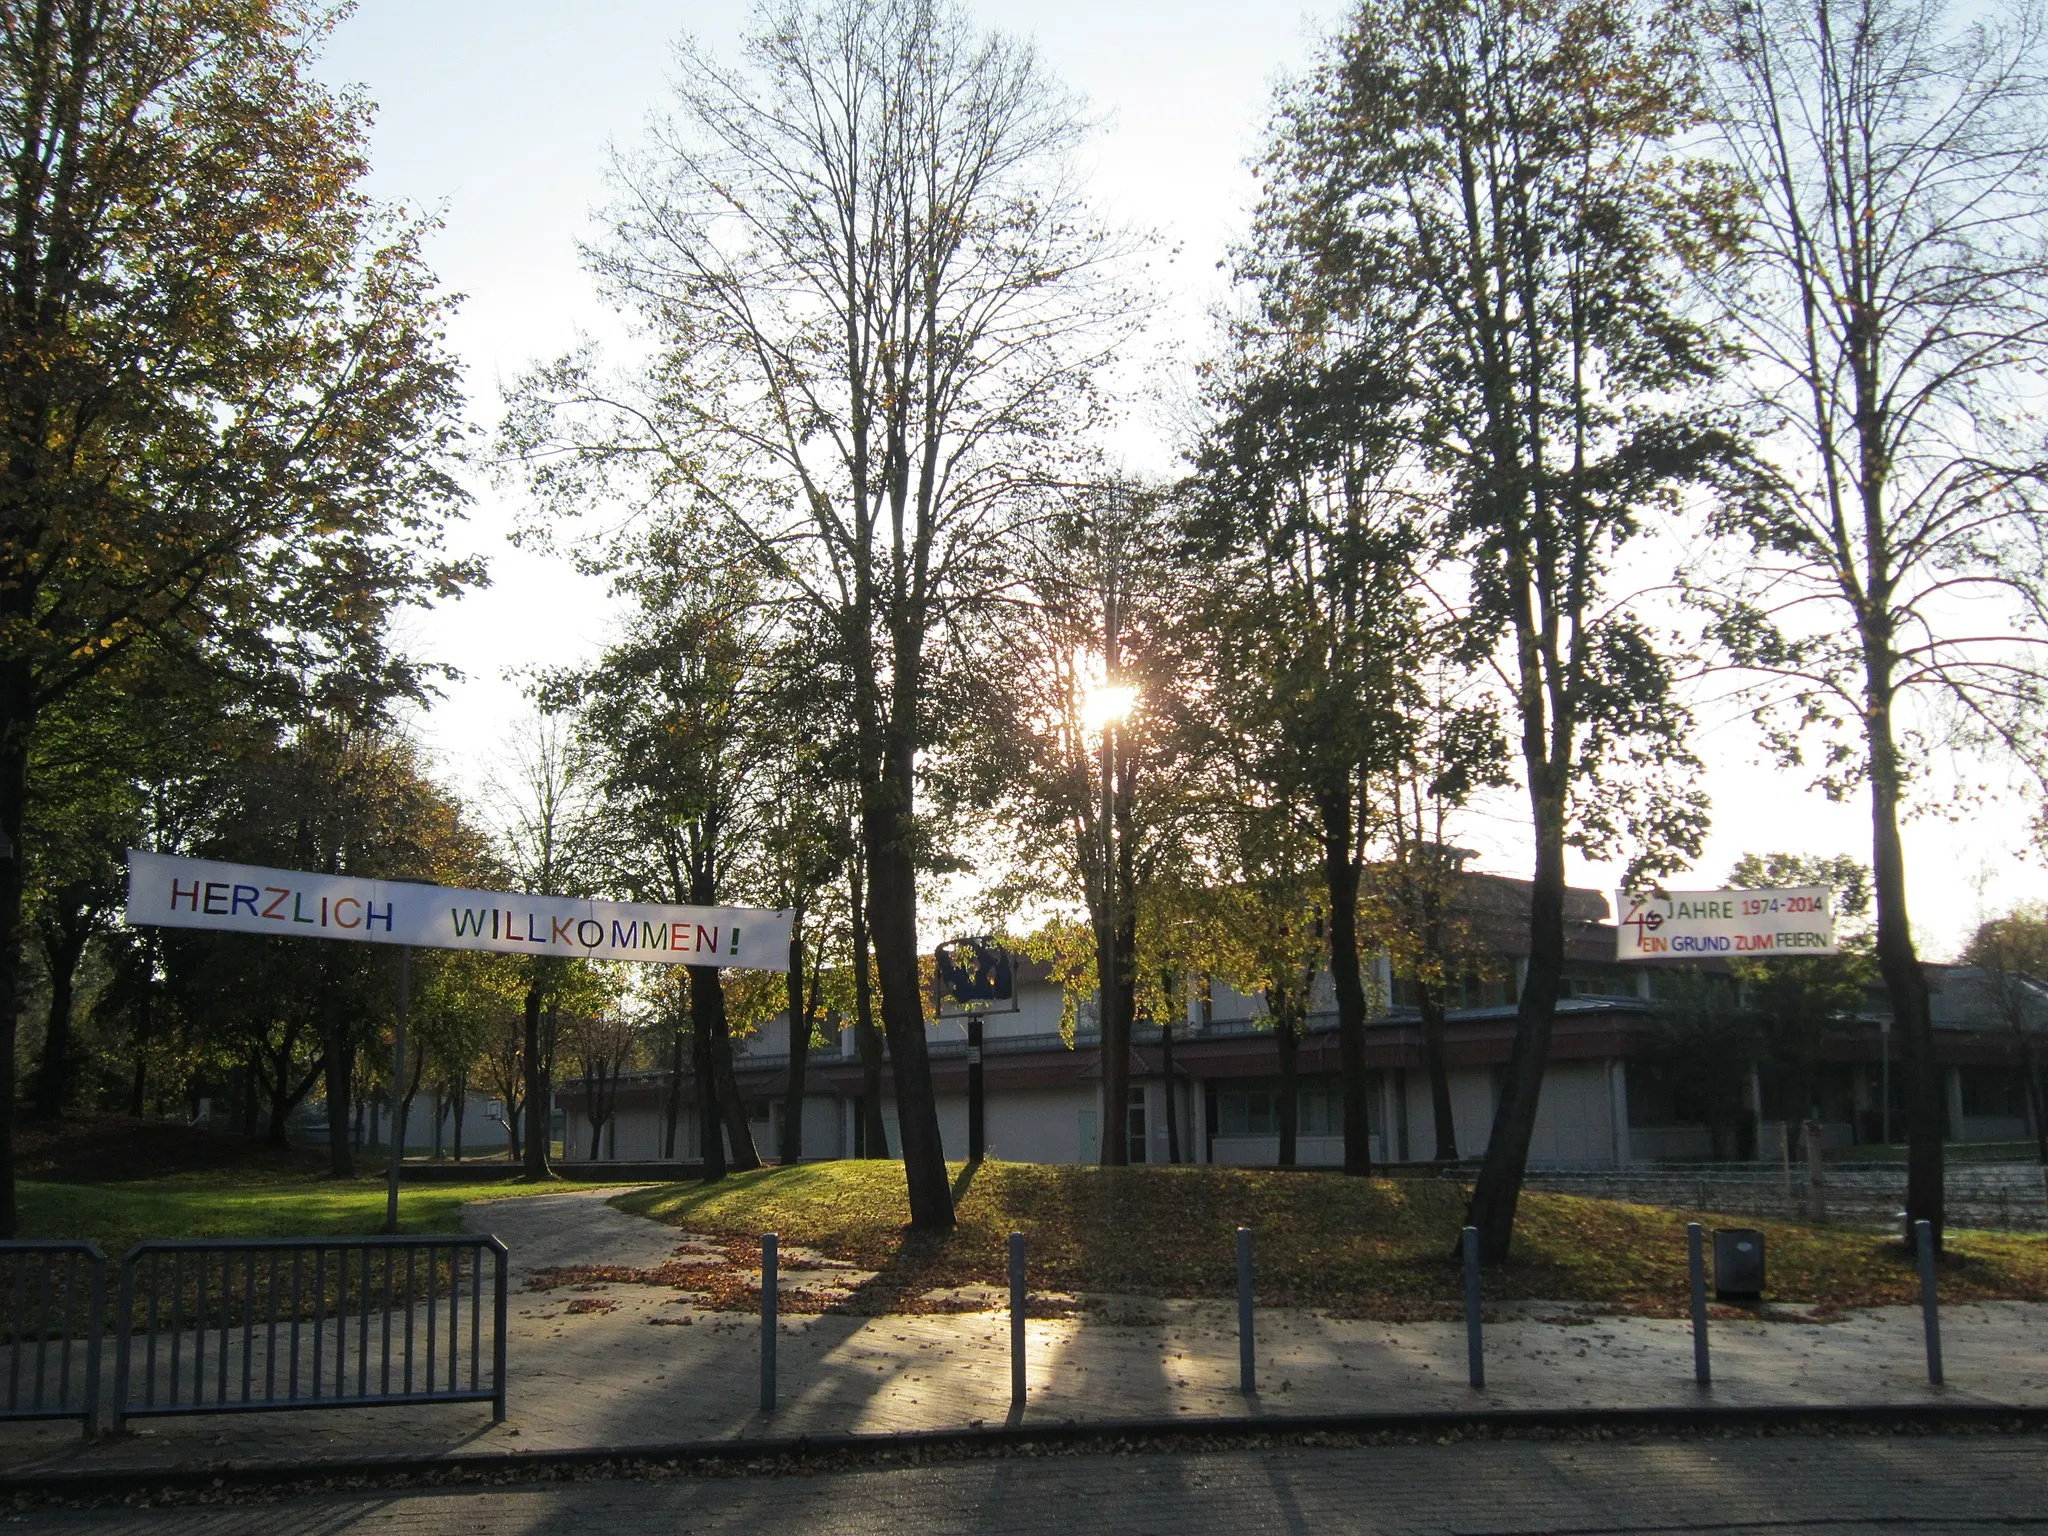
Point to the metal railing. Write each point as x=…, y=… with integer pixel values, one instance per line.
x=56, y=1298
x=241, y=1325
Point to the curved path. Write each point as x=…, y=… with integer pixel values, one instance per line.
x=578, y=1227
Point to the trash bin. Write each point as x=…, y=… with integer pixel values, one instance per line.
x=1739, y=1264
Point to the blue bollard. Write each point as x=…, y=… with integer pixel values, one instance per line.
x=1475, y=1354
x=1247, y=1377
x=768, y=1284
x=1930, y=1302
x=1017, y=1322
x=1696, y=1261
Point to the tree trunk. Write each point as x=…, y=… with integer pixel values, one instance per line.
x=287, y=1098
x=1287, y=1036
x=341, y=1071
x=64, y=944
x=405, y=1094
x=739, y=1131
x=892, y=926
x=1498, y=1189
x=1432, y=1001
x=138, y=1088
x=867, y=1039
x=673, y=1109
x=706, y=999
x=458, y=1103
x=792, y=1149
x=17, y=720
x=1340, y=874
x=537, y=1107
x=1115, y=1047
x=1899, y=964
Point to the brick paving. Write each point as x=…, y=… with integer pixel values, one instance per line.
x=655, y=1369
x=1848, y=1484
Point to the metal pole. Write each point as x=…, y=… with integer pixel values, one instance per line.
x=977, y=1123
x=398, y=1090
x=1475, y=1354
x=498, y=1302
x=1930, y=1303
x=768, y=1283
x=1017, y=1322
x=1696, y=1261
x=1247, y=1378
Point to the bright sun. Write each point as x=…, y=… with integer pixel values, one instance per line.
x=1106, y=704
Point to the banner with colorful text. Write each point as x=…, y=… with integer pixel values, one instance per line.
x=1685, y=925
x=167, y=891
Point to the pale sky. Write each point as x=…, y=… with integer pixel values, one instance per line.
x=498, y=113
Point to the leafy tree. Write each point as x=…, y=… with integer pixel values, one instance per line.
x=221, y=379
x=671, y=714
x=1484, y=190
x=547, y=816
x=1077, y=746
x=462, y=1000
x=337, y=799
x=1892, y=298
x=1313, y=625
x=2012, y=952
x=1706, y=1041
x=875, y=305
x=1415, y=897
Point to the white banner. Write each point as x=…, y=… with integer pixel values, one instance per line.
x=1684, y=925
x=244, y=898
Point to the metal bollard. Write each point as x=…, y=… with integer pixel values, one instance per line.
x=1930, y=1303
x=1475, y=1354
x=768, y=1283
x=1016, y=1322
x=1702, y=1372
x=1247, y=1378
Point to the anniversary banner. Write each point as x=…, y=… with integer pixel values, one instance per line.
x=1667, y=925
x=171, y=892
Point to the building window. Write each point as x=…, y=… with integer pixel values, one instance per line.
x=1134, y=1126
x=1993, y=1092
x=1254, y=1110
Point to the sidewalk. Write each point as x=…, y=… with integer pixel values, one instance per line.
x=635, y=1366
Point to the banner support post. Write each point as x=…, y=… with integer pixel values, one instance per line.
x=398, y=1090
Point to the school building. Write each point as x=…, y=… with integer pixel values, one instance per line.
x=1605, y=1101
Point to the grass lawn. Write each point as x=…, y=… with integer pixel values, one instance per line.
x=1356, y=1247
x=252, y=1203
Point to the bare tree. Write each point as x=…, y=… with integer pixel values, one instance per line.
x=605, y=1044
x=2012, y=953
x=875, y=305
x=1893, y=299
x=545, y=809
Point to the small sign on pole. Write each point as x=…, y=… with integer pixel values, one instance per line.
x=1693, y=925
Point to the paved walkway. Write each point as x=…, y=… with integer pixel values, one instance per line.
x=1848, y=1486
x=639, y=1365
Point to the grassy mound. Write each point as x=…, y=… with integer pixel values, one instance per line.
x=1356, y=1247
